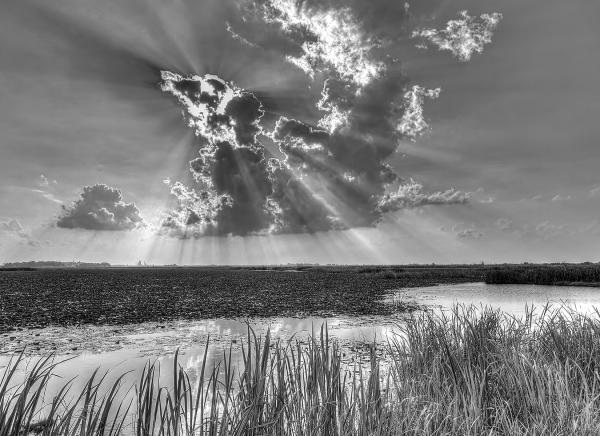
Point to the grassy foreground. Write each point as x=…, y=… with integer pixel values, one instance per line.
x=468, y=373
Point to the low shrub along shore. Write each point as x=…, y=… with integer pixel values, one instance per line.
x=469, y=372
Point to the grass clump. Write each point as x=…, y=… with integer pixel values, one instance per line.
x=469, y=372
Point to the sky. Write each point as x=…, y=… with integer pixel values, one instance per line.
x=277, y=131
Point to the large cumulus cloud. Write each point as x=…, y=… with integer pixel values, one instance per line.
x=327, y=173
x=239, y=190
x=100, y=207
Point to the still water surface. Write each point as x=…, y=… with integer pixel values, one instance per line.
x=511, y=299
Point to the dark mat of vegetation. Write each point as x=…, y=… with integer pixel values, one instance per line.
x=130, y=295
x=563, y=274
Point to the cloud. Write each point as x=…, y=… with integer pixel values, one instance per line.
x=504, y=224
x=535, y=198
x=469, y=234
x=328, y=172
x=337, y=107
x=239, y=190
x=325, y=178
x=100, y=208
x=548, y=230
x=412, y=123
x=330, y=40
x=194, y=214
x=411, y=195
x=326, y=43
x=559, y=197
x=43, y=181
x=462, y=231
x=296, y=208
x=215, y=109
x=232, y=172
x=595, y=191
x=463, y=36
x=46, y=188
x=237, y=36
x=47, y=195
x=346, y=168
x=13, y=227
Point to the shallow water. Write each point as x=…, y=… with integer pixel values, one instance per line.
x=511, y=299
x=128, y=348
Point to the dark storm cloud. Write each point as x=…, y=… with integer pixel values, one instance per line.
x=327, y=174
x=294, y=206
x=246, y=111
x=349, y=167
x=232, y=170
x=100, y=208
x=325, y=181
x=239, y=190
x=241, y=174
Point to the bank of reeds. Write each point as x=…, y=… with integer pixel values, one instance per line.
x=566, y=274
x=471, y=372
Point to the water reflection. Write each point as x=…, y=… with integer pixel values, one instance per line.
x=511, y=299
x=128, y=348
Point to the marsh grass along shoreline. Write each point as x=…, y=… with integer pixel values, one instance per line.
x=469, y=372
x=556, y=275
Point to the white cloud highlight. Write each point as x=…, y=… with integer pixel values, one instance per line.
x=337, y=43
x=412, y=195
x=413, y=122
x=464, y=36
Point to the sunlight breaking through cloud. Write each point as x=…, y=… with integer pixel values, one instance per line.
x=216, y=110
x=332, y=173
x=326, y=180
x=334, y=47
x=239, y=189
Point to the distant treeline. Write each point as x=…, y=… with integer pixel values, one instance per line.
x=564, y=274
x=52, y=264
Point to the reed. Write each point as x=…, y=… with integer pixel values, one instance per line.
x=472, y=371
x=560, y=274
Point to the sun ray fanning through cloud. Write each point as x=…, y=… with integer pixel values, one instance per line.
x=326, y=176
